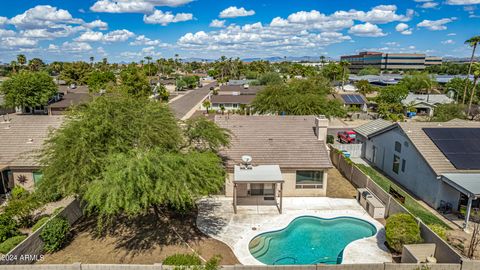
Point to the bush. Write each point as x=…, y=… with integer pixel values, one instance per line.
x=8, y=227
x=213, y=263
x=22, y=209
x=182, y=259
x=10, y=243
x=330, y=139
x=40, y=222
x=19, y=192
x=402, y=229
x=439, y=230
x=55, y=234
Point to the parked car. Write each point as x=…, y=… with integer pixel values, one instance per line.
x=346, y=136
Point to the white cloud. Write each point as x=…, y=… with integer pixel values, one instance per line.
x=366, y=30
x=18, y=42
x=379, y=15
x=234, y=12
x=164, y=18
x=134, y=6
x=6, y=33
x=43, y=16
x=113, y=36
x=97, y=24
x=403, y=28
x=217, y=23
x=52, y=47
x=429, y=5
x=451, y=34
x=436, y=25
x=76, y=46
x=463, y=2
x=145, y=41
x=3, y=20
x=448, y=41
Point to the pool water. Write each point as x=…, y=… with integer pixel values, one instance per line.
x=310, y=240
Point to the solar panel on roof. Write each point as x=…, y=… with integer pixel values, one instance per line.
x=352, y=99
x=461, y=146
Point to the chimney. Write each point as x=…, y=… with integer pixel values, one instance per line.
x=321, y=125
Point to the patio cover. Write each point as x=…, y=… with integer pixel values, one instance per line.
x=259, y=174
x=468, y=183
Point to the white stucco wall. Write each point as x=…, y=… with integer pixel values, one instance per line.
x=418, y=177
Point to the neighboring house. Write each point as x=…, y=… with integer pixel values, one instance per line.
x=438, y=162
x=240, y=89
x=425, y=104
x=67, y=98
x=21, y=136
x=350, y=101
x=230, y=102
x=289, y=157
x=239, y=82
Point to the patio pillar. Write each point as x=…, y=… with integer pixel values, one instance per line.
x=467, y=216
x=234, y=198
x=281, y=197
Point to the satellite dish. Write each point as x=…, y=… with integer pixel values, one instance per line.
x=246, y=159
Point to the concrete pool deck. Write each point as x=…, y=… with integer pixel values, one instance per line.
x=216, y=219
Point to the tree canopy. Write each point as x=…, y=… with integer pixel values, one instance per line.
x=389, y=101
x=134, y=82
x=298, y=97
x=419, y=82
x=98, y=80
x=28, y=89
x=124, y=154
x=447, y=112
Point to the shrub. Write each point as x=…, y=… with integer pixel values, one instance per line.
x=213, y=263
x=8, y=227
x=55, y=234
x=40, y=222
x=22, y=209
x=19, y=192
x=182, y=259
x=402, y=229
x=439, y=230
x=10, y=243
x=330, y=139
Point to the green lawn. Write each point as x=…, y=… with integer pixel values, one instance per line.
x=410, y=203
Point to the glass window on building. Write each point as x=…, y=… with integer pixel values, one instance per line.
x=398, y=147
x=404, y=163
x=396, y=164
x=309, y=179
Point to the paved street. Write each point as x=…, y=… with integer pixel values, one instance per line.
x=183, y=105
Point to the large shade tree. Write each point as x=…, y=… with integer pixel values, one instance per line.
x=298, y=97
x=127, y=155
x=28, y=89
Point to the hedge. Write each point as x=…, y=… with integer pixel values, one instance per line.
x=55, y=234
x=402, y=229
x=182, y=259
x=8, y=227
x=10, y=243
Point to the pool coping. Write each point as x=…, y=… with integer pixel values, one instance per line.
x=237, y=235
x=242, y=251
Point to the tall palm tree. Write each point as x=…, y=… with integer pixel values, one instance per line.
x=91, y=61
x=148, y=58
x=472, y=42
x=344, y=65
x=14, y=66
x=322, y=60
x=476, y=76
x=21, y=59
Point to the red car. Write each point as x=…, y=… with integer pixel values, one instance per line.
x=347, y=136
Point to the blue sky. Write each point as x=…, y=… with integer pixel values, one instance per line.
x=126, y=30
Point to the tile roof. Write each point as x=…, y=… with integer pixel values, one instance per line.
x=372, y=127
x=287, y=141
x=433, y=99
x=252, y=90
x=71, y=99
x=22, y=136
x=234, y=99
x=425, y=146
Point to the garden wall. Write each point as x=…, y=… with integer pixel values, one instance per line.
x=30, y=249
x=443, y=252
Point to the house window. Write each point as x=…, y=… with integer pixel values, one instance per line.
x=398, y=147
x=37, y=177
x=309, y=179
x=396, y=164
x=404, y=163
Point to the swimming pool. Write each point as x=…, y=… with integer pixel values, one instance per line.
x=309, y=240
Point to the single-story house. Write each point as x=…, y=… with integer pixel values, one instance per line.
x=239, y=89
x=230, y=102
x=438, y=162
x=425, y=104
x=352, y=100
x=273, y=156
x=21, y=136
x=67, y=98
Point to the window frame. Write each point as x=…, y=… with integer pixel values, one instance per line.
x=396, y=164
x=313, y=185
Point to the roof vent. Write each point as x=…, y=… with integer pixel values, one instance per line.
x=6, y=119
x=30, y=140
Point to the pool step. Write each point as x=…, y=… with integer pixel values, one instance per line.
x=262, y=247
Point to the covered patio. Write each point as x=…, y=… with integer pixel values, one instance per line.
x=468, y=184
x=254, y=185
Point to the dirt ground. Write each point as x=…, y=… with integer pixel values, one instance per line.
x=145, y=240
x=338, y=186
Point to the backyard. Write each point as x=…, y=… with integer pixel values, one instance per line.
x=145, y=239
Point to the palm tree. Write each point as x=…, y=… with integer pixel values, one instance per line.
x=91, y=61
x=148, y=58
x=476, y=76
x=472, y=42
x=21, y=59
x=322, y=60
x=14, y=66
x=207, y=104
x=344, y=65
